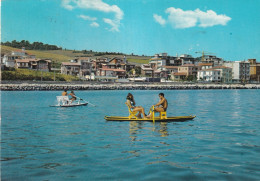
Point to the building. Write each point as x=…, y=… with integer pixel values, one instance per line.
x=204, y=66
x=254, y=70
x=78, y=67
x=225, y=74
x=212, y=59
x=34, y=64
x=108, y=72
x=171, y=70
x=189, y=69
x=147, y=70
x=240, y=70
x=209, y=75
x=216, y=74
x=9, y=59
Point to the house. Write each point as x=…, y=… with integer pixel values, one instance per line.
x=216, y=74
x=209, y=75
x=108, y=72
x=34, y=64
x=171, y=70
x=70, y=68
x=147, y=70
x=189, y=69
x=225, y=73
x=240, y=70
x=9, y=59
x=204, y=66
x=254, y=70
x=80, y=67
x=186, y=59
x=177, y=76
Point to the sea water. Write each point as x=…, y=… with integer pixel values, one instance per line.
x=39, y=142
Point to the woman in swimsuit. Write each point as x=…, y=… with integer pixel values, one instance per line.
x=131, y=103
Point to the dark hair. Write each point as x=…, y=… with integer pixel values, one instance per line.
x=130, y=97
x=65, y=90
x=161, y=94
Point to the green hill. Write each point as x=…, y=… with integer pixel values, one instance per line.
x=66, y=55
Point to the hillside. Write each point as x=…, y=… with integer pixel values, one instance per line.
x=66, y=55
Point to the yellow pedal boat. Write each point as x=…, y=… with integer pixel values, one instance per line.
x=156, y=119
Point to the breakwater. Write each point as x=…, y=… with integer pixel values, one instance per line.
x=120, y=86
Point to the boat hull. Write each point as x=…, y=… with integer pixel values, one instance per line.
x=157, y=119
x=71, y=105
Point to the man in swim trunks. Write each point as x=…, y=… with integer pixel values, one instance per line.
x=64, y=93
x=73, y=96
x=161, y=106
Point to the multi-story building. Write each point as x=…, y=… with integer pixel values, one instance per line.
x=77, y=67
x=254, y=70
x=147, y=70
x=209, y=75
x=240, y=70
x=9, y=59
x=34, y=64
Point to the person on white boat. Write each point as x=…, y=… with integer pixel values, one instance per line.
x=64, y=93
x=131, y=103
x=73, y=96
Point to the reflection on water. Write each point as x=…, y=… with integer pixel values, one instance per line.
x=39, y=142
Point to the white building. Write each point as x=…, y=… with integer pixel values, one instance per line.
x=209, y=75
x=240, y=70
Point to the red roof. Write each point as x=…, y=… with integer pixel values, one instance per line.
x=210, y=70
x=71, y=63
x=179, y=73
x=188, y=65
x=205, y=64
x=115, y=70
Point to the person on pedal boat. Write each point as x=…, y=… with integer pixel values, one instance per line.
x=73, y=96
x=130, y=102
x=161, y=106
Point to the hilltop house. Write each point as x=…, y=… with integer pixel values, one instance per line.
x=9, y=59
x=34, y=64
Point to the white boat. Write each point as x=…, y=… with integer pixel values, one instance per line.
x=63, y=101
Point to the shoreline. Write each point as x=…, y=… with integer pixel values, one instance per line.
x=119, y=86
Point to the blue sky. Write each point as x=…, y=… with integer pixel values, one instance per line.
x=230, y=29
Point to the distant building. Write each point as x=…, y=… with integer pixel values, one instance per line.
x=240, y=70
x=212, y=59
x=108, y=72
x=147, y=70
x=254, y=70
x=204, y=66
x=34, y=64
x=78, y=67
x=9, y=59
x=209, y=75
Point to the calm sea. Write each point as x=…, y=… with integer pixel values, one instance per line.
x=39, y=142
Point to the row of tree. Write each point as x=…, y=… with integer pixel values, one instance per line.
x=31, y=46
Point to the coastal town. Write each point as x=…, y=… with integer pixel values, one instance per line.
x=160, y=68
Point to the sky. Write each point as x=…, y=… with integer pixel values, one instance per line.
x=227, y=29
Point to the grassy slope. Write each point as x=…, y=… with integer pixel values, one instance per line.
x=66, y=55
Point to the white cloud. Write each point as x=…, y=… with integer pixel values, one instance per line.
x=97, y=5
x=87, y=17
x=159, y=19
x=179, y=18
x=94, y=24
